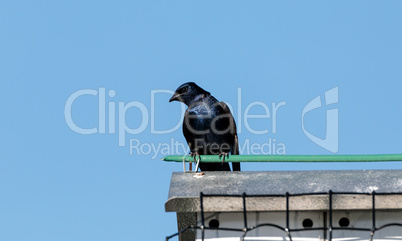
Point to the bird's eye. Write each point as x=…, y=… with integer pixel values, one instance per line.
x=183, y=90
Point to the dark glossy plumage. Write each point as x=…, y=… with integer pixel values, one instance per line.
x=208, y=126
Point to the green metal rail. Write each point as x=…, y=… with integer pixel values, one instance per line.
x=290, y=158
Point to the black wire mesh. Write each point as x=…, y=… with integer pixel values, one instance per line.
x=287, y=228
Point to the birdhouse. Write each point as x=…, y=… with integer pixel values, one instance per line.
x=287, y=205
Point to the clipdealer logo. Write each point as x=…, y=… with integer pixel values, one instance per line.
x=109, y=111
x=331, y=140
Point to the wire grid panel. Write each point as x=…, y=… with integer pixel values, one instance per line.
x=300, y=221
x=263, y=232
x=363, y=225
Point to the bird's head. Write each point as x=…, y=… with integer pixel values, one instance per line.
x=188, y=92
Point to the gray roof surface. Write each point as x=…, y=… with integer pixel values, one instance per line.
x=185, y=188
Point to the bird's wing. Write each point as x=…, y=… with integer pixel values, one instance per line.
x=233, y=133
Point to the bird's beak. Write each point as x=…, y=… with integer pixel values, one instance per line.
x=174, y=97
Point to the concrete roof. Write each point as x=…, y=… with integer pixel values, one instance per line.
x=185, y=190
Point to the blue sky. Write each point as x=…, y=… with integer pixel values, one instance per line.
x=57, y=184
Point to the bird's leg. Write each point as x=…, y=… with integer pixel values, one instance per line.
x=194, y=154
x=223, y=155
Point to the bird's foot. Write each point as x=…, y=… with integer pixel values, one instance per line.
x=195, y=155
x=223, y=155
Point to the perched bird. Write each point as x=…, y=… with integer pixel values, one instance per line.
x=208, y=126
